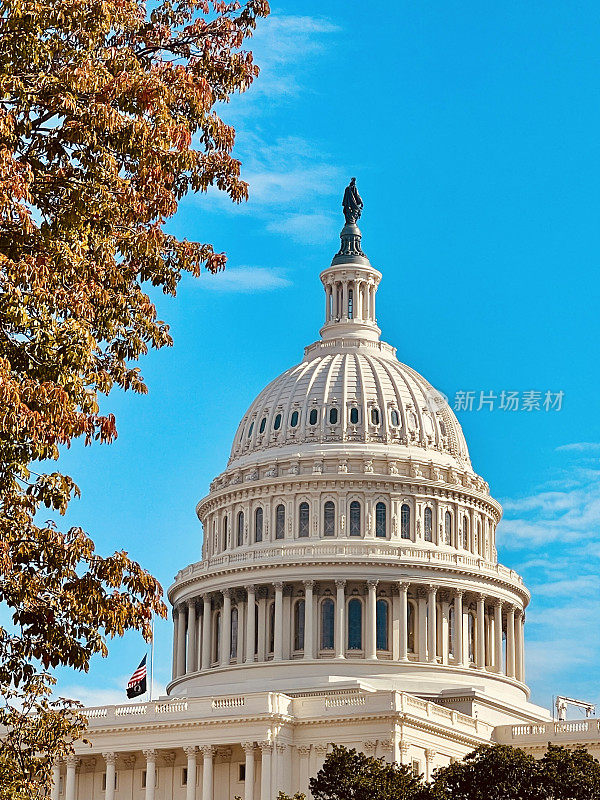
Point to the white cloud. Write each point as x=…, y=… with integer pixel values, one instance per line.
x=92, y=696
x=305, y=228
x=244, y=279
x=580, y=447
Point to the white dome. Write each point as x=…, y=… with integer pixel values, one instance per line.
x=350, y=391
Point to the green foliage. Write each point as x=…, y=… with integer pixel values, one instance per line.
x=350, y=775
x=570, y=774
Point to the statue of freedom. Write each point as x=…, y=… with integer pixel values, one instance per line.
x=352, y=203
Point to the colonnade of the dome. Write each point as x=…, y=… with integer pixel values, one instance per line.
x=401, y=621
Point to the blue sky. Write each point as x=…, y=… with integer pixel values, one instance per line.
x=472, y=129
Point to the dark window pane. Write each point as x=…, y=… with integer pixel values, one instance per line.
x=375, y=416
x=428, y=525
x=303, y=520
x=381, y=520
x=314, y=416
x=299, y=612
x=263, y=422
x=354, y=415
x=395, y=418
x=448, y=527
x=329, y=519
x=250, y=429
x=355, y=624
x=405, y=522
x=280, y=522
x=355, y=518
x=294, y=419
x=240, y=529
x=327, y=624
x=258, y=525
x=277, y=423
x=382, y=624
x=333, y=416
x=271, y=627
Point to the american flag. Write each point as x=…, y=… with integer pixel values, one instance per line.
x=137, y=682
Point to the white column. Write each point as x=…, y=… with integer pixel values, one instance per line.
x=278, y=633
x=327, y=290
x=480, y=654
x=445, y=632
x=303, y=754
x=262, y=627
x=459, y=654
x=429, y=757
x=72, y=762
x=226, y=628
x=371, y=648
x=206, y=628
x=510, y=642
x=518, y=646
x=265, y=771
x=498, y=636
x=340, y=622
x=249, y=779
x=55, y=791
x=422, y=602
x=523, y=646
x=192, y=629
x=190, y=789
x=345, y=300
x=175, y=615
x=250, y=623
x=181, y=640
x=309, y=645
x=150, y=773
x=110, y=760
x=431, y=624
x=403, y=590
x=207, y=772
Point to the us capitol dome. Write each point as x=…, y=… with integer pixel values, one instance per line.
x=349, y=589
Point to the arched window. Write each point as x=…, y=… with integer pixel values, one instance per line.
x=355, y=518
x=313, y=416
x=405, y=521
x=299, y=613
x=303, y=520
x=381, y=520
x=355, y=624
x=240, y=528
x=280, y=521
x=451, y=632
x=410, y=625
x=375, y=416
x=217, y=638
x=350, y=304
x=225, y=542
x=234, y=633
x=250, y=429
x=277, y=422
x=258, y=525
x=271, y=627
x=327, y=624
x=448, y=527
x=381, y=611
x=255, y=628
x=465, y=532
x=329, y=519
x=333, y=416
x=294, y=419
x=428, y=524
x=394, y=417
x=471, y=635
x=263, y=422
x=354, y=415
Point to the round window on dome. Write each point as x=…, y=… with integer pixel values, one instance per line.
x=333, y=416
x=354, y=415
x=395, y=418
x=375, y=416
x=277, y=423
x=263, y=422
x=314, y=416
x=294, y=419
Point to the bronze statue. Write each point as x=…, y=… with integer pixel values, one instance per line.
x=352, y=203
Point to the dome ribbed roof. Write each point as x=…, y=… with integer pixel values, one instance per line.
x=350, y=392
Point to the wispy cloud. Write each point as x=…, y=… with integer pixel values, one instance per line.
x=244, y=279
x=92, y=696
x=305, y=228
x=580, y=447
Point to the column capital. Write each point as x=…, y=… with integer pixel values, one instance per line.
x=430, y=755
x=191, y=602
x=250, y=587
x=281, y=747
x=266, y=747
x=278, y=585
x=372, y=583
x=403, y=746
x=432, y=588
x=497, y=603
x=226, y=592
x=309, y=584
x=340, y=583
x=303, y=751
x=402, y=586
x=150, y=754
x=190, y=751
x=481, y=597
x=110, y=758
x=207, y=750
x=248, y=747
x=72, y=761
x=459, y=593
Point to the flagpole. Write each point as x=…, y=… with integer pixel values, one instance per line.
x=152, y=661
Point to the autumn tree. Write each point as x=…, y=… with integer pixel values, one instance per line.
x=351, y=775
x=108, y=117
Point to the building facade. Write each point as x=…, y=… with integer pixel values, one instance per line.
x=349, y=590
